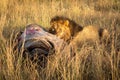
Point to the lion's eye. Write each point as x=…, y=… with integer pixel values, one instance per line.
x=52, y=29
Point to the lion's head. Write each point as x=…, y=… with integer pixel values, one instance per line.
x=64, y=27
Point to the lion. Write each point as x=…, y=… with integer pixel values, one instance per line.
x=64, y=28
x=67, y=30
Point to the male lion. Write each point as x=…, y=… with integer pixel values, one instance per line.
x=64, y=28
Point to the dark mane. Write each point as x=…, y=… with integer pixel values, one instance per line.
x=57, y=18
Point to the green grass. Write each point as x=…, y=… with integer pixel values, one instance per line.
x=92, y=61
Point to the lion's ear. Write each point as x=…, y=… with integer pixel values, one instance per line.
x=66, y=23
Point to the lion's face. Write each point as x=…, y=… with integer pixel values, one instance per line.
x=60, y=28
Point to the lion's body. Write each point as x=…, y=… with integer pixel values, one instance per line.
x=91, y=33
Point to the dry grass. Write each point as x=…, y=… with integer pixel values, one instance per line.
x=92, y=61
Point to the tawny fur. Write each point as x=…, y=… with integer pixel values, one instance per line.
x=91, y=33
